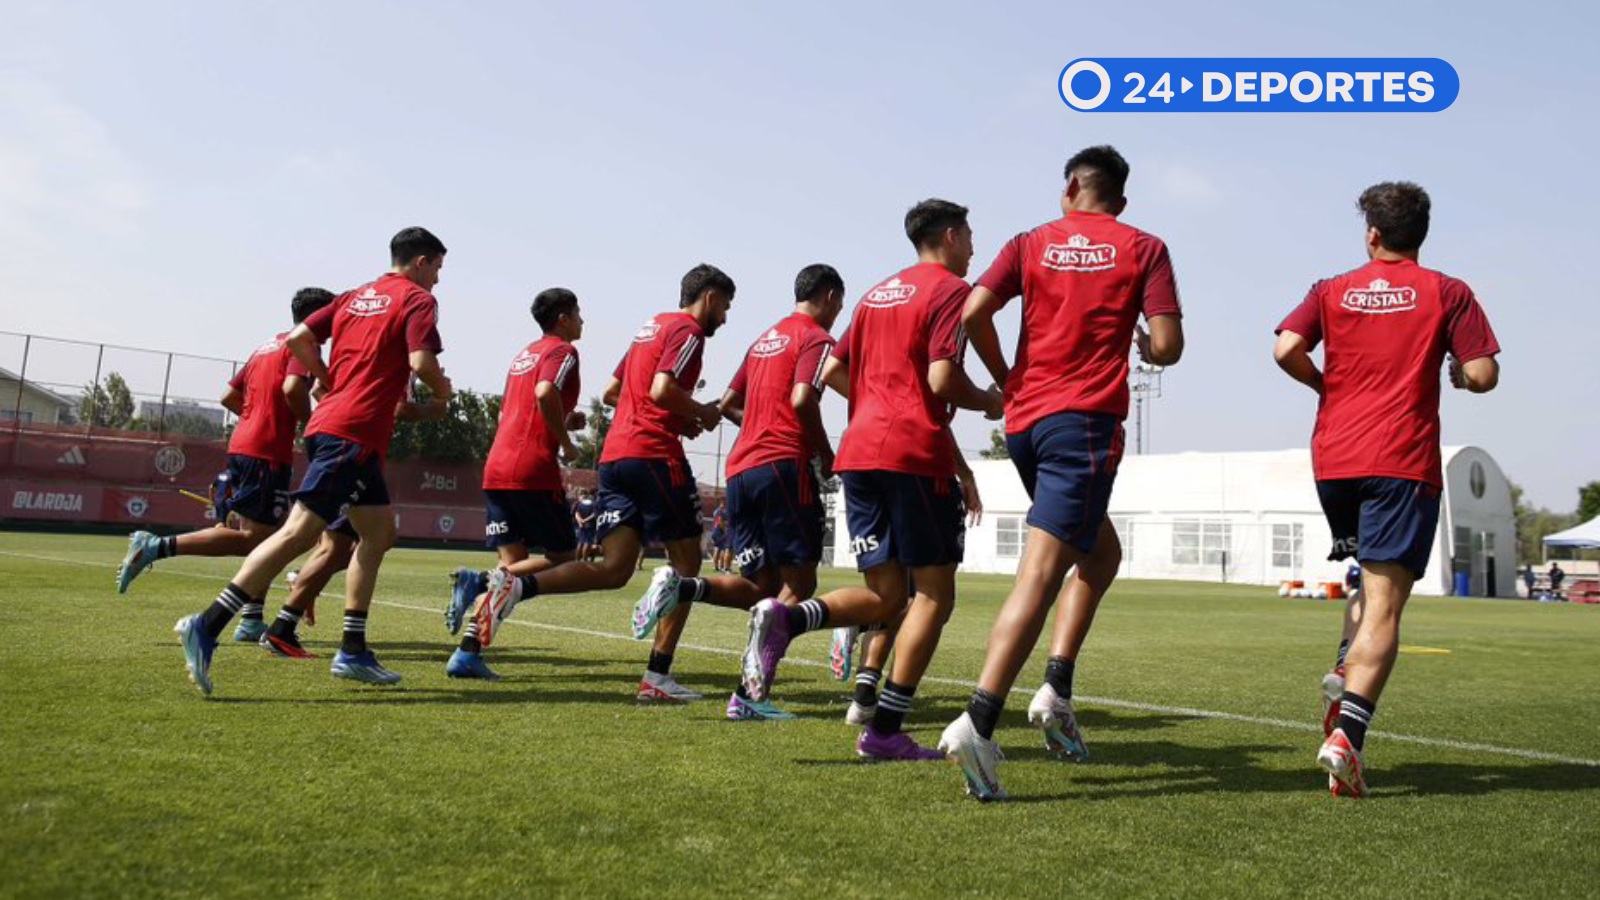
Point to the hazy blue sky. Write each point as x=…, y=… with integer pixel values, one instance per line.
x=171, y=172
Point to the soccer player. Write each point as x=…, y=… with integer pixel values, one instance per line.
x=906, y=507
x=647, y=490
x=382, y=333
x=522, y=488
x=1385, y=329
x=584, y=513
x=1085, y=279
x=271, y=395
x=721, y=551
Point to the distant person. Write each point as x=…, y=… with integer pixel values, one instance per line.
x=1556, y=577
x=1386, y=328
x=721, y=552
x=1529, y=579
x=1352, y=579
x=583, y=514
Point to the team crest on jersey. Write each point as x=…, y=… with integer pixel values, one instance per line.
x=1079, y=254
x=524, y=362
x=369, y=303
x=648, y=333
x=890, y=293
x=771, y=344
x=269, y=348
x=1380, y=298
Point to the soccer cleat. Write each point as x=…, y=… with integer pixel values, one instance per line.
x=249, y=631
x=1332, y=691
x=840, y=651
x=469, y=665
x=287, y=647
x=860, y=715
x=897, y=747
x=1342, y=762
x=659, y=599
x=978, y=758
x=655, y=688
x=465, y=586
x=197, y=649
x=769, y=640
x=1053, y=715
x=362, y=667
x=503, y=590
x=741, y=709
x=143, y=548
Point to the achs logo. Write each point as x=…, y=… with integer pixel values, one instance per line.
x=524, y=362
x=369, y=303
x=1079, y=255
x=1380, y=298
x=771, y=344
x=890, y=293
x=647, y=334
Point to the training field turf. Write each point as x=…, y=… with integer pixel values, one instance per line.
x=1199, y=703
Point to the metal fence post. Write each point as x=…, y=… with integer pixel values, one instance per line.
x=94, y=392
x=22, y=379
x=166, y=383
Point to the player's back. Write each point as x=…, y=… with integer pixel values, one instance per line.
x=670, y=342
x=522, y=456
x=265, y=429
x=789, y=353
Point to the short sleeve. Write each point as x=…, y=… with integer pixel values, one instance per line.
x=295, y=370
x=320, y=323
x=946, y=338
x=557, y=366
x=1158, y=290
x=1467, y=328
x=422, y=326
x=1306, y=319
x=1004, y=276
x=813, y=356
x=680, y=349
x=237, y=382
x=740, y=381
x=841, y=350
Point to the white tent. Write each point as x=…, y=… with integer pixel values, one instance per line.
x=1585, y=536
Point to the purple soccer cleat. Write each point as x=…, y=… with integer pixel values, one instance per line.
x=769, y=641
x=897, y=747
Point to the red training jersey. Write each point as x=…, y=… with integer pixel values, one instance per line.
x=1386, y=327
x=899, y=328
x=792, y=352
x=673, y=343
x=1084, y=280
x=374, y=329
x=265, y=429
x=524, y=458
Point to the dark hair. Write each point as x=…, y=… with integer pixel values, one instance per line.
x=1399, y=210
x=551, y=305
x=815, y=280
x=926, y=221
x=308, y=300
x=1100, y=169
x=413, y=242
x=702, y=278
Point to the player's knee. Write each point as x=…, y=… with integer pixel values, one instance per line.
x=615, y=572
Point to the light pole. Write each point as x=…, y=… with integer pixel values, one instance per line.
x=1146, y=384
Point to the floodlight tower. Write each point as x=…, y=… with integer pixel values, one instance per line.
x=1146, y=385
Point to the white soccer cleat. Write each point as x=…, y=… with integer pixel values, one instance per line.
x=655, y=688
x=659, y=600
x=979, y=759
x=1053, y=714
x=501, y=595
x=860, y=715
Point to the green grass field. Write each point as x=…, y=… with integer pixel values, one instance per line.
x=1199, y=703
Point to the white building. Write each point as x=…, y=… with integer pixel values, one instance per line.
x=1249, y=518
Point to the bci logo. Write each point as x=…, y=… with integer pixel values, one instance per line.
x=432, y=482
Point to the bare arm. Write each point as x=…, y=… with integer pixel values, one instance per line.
x=555, y=421
x=425, y=363
x=233, y=401
x=1294, y=358
x=1163, y=344
x=969, y=484
x=732, y=407
x=1478, y=376
x=978, y=319
x=836, y=375
x=308, y=352
x=950, y=383
x=297, y=393
x=666, y=393
x=612, y=393
x=807, y=405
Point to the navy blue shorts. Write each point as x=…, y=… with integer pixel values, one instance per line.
x=719, y=538
x=341, y=474
x=342, y=526
x=777, y=517
x=586, y=534
x=531, y=518
x=255, y=489
x=1381, y=520
x=657, y=498
x=1068, y=463
x=914, y=520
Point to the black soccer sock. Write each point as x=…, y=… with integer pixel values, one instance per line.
x=1344, y=647
x=1058, y=674
x=220, y=612
x=1355, y=714
x=893, y=705
x=285, y=624
x=660, y=663
x=254, y=610
x=867, y=686
x=355, y=632
x=691, y=590
x=809, y=615
x=167, y=548
x=985, y=709
x=530, y=586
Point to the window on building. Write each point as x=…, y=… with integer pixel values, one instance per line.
x=1200, y=542
x=1288, y=546
x=1008, y=537
x=1124, y=527
x=11, y=415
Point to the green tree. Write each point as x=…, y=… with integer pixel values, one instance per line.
x=108, y=404
x=593, y=437
x=1589, y=501
x=997, y=446
x=464, y=434
x=1533, y=523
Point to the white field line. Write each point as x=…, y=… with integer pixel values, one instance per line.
x=1188, y=712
